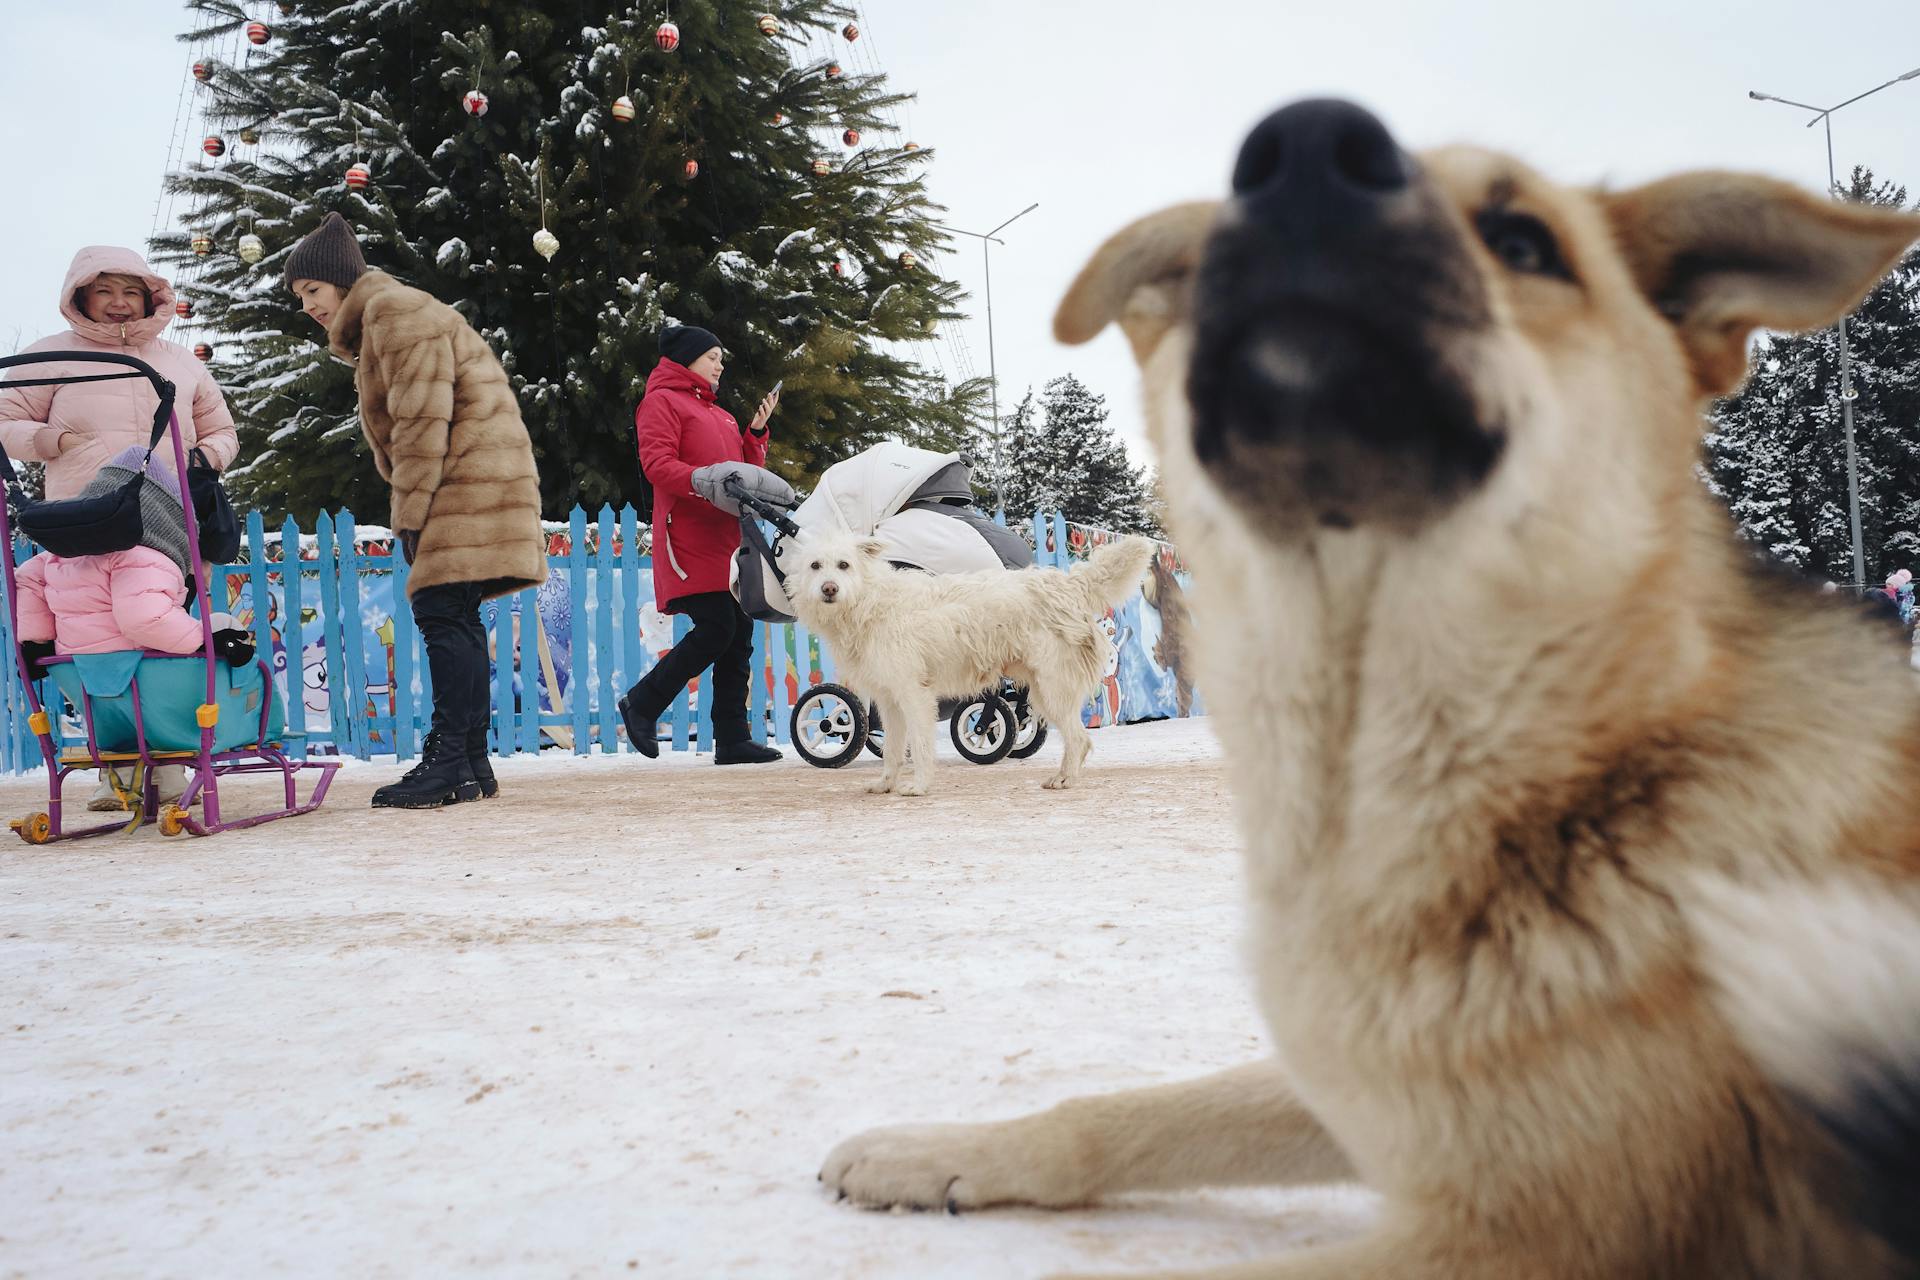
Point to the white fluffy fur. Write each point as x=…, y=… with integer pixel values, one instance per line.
x=907, y=639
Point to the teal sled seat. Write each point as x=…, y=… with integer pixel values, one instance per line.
x=170, y=690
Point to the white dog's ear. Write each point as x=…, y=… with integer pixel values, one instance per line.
x=1724, y=254
x=1139, y=277
x=872, y=548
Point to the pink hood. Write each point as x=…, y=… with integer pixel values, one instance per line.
x=105, y=259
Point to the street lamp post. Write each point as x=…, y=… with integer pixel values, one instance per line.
x=987, y=241
x=1823, y=116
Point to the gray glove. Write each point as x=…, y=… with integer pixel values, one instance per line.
x=710, y=483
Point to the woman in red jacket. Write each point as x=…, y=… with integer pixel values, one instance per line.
x=683, y=431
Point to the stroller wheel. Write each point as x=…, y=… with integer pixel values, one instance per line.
x=829, y=726
x=983, y=729
x=1031, y=736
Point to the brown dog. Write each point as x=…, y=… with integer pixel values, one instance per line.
x=1587, y=920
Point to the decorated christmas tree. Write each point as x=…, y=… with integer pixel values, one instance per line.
x=571, y=177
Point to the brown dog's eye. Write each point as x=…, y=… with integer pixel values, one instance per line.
x=1522, y=242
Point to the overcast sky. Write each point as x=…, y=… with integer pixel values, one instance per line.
x=1099, y=113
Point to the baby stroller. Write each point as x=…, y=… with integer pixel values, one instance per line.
x=919, y=503
x=139, y=708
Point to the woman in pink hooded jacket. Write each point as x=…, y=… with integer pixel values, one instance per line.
x=115, y=303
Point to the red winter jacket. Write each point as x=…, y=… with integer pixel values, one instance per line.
x=682, y=429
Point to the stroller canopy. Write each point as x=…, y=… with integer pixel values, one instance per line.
x=917, y=502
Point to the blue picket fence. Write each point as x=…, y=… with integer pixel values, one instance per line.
x=330, y=607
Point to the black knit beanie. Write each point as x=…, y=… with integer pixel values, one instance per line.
x=329, y=254
x=685, y=343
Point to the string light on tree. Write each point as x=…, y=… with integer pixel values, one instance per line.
x=251, y=248
x=623, y=109
x=667, y=36
x=475, y=103
x=258, y=33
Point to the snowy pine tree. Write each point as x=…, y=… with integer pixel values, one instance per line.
x=1059, y=454
x=820, y=279
x=1777, y=449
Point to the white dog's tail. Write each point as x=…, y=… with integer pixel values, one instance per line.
x=1113, y=572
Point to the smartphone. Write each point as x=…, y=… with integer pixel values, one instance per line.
x=777, y=386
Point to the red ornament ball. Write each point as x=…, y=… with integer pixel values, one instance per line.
x=183, y=309
x=203, y=72
x=691, y=169
x=215, y=146
x=833, y=71
x=839, y=267
x=204, y=351
x=202, y=244
x=475, y=102
x=667, y=37
x=823, y=166
x=769, y=25
x=258, y=33
x=851, y=32
x=359, y=176
x=776, y=119
x=851, y=137
x=622, y=109
x=911, y=146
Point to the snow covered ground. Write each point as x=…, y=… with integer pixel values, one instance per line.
x=610, y=1022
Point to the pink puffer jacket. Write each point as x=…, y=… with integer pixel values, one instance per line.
x=76, y=427
x=102, y=604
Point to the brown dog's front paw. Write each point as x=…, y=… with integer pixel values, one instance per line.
x=948, y=1166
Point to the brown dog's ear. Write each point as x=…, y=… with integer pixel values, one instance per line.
x=872, y=548
x=1723, y=254
x=1139, y=278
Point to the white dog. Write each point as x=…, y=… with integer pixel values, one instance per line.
x=908, y=639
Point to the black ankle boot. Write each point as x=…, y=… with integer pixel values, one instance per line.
x=442, y=777
x=482, y=767
x=642, y=731
x=748, y=752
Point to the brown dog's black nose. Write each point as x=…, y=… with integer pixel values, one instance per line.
x=1322, y=153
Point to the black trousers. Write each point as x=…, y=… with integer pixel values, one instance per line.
x=722, y=638
x=449, y=620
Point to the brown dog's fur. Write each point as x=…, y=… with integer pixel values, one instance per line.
x=1586, y=910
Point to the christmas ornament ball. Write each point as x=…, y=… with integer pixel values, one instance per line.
x=851, y=32
x=250, y=136
x=667, y=37
x=911, y=146
x=776, y=119
x=823, y=166
x=623, y=108
x=183, y=309
x=475, y=102
x=359, y=176
x=252, y=249
x=215, y=145
x=546, y=244
x=851, y=137
x=907, y=260
x=203, y=72
x=203, y=351
x=691, y=169
x=833, y=71
x=202, y=244
x=258, y=33
x=769, y=25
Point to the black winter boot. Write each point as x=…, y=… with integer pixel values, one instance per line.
x=643, y=731
x=442, y=777
x=482, y=767
x=747, y=752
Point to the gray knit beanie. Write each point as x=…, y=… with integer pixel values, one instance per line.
x=329, y=254
x=163, y=522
